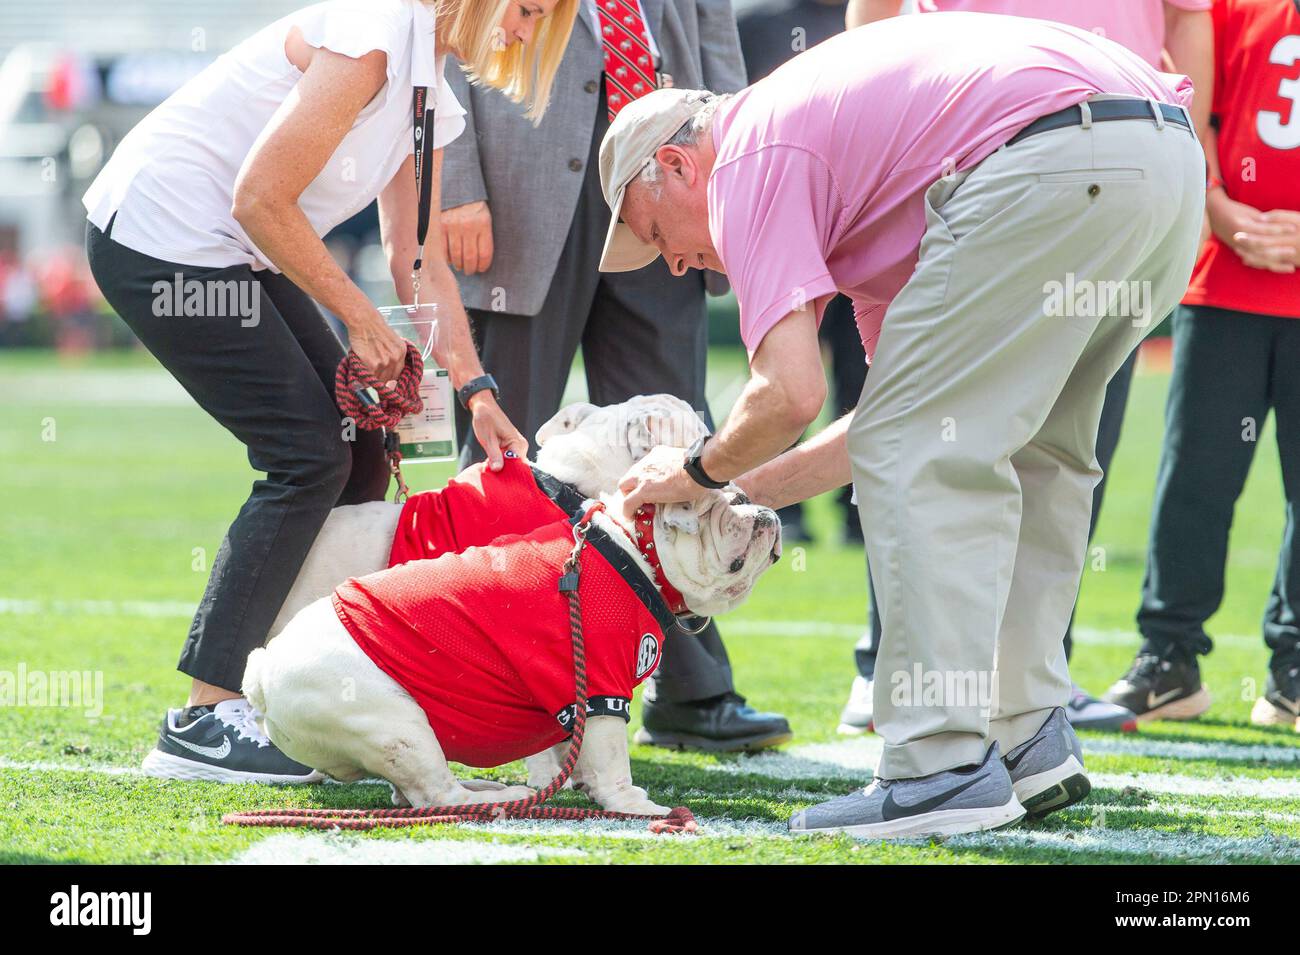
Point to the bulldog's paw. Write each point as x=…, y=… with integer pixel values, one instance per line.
x=633, y=800
x=504, y=794
x=482, y=785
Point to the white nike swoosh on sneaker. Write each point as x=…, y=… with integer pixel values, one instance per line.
x=216, y=752
x=1153, y=701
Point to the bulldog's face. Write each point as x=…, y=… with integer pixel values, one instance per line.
x=715, y=549
x=592, y=447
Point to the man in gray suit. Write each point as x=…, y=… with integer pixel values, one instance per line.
x=525, y=221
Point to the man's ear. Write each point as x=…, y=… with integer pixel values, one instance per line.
x=565, y=420
x=676, y=162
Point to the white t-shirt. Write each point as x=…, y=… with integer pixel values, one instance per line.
x=171, y=181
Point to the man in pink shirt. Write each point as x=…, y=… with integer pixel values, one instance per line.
x=1147, y=27
x=1150, y=28
x=1010, y=204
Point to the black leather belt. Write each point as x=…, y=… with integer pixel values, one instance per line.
x=1103, y=111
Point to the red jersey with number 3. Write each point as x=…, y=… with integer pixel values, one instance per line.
x=1257, y=102
x=481, y=638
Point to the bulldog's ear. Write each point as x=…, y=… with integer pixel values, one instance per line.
x=662, y=419
x=566, y=420
x=682, y=516
x=676, y=424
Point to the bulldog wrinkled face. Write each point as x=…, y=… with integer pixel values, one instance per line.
x=714, y=550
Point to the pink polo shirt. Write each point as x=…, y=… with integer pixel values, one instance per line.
x=822, y=166
x=1138, y=24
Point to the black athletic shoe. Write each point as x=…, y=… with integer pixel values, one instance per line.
x=722, y=724
x=1280, y=704
x=224, y=745
x=1162, y=685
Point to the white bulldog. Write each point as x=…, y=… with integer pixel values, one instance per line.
x=326, y=703
x=585, y=446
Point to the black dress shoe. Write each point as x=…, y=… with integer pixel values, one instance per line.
x=720, y=724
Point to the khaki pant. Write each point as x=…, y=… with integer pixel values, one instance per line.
x=973, y=442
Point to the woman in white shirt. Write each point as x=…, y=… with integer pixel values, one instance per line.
x=204, y=234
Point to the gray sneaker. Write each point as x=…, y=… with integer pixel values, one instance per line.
x=1047, y=769
x=969, y=799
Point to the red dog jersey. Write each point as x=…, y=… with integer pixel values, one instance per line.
x=481, y=638
x=1257, y=102
x=478, y=506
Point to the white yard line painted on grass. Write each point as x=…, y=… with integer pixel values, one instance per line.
x=97, y=608
x=1191, y=749
x=1139, y=843
x=776, y=628
x=338, y=848
x=1186, y=809
x=1239, y=786
x=855, y=760
x=48, y=767
x=96, y=386
x=711, y=828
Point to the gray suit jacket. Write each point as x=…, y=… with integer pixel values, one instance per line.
x=531, y=176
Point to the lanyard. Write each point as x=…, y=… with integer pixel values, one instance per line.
x=423, y=179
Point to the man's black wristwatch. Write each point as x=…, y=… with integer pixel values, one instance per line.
x=474, y=386
x=693, y=468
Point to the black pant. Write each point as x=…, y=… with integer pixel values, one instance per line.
x=1230, y=368
x=1108, y=431
x=641, y=332
x=266, y=374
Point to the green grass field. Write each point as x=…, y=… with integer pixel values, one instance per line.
x=117, y=490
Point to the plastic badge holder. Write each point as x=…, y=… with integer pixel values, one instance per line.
x=430, y=436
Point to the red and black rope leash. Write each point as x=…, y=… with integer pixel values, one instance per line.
x=679, y=820
x=362, y=397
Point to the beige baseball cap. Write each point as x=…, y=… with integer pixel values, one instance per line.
x=640, y=128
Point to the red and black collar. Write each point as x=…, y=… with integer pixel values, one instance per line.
x=631, y=570
x=644, y=538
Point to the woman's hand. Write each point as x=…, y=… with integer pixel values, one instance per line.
x=1262, y=240
x=467, y=231
x=380, y=349
x=495, y=433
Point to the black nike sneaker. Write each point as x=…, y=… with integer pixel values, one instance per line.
x=1280, y=704
x=1161, y=685
x=222, y=744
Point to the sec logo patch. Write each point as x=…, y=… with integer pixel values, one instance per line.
x=647, y=655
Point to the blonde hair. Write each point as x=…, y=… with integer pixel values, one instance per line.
x=523, y=73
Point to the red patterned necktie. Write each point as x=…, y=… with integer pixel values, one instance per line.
x=629, y=69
